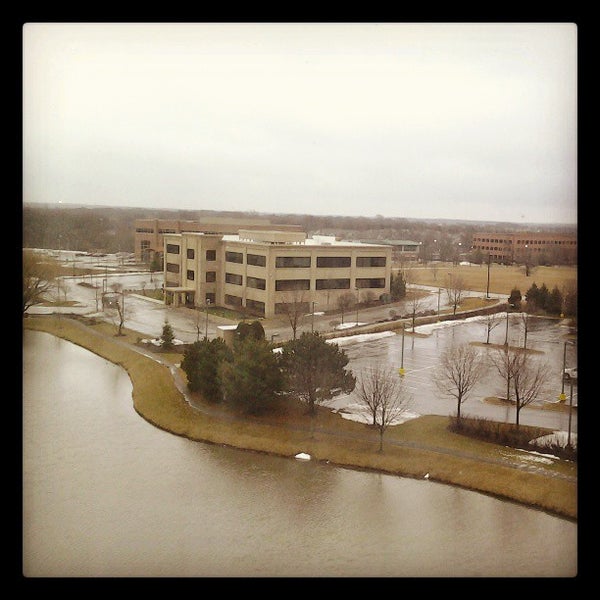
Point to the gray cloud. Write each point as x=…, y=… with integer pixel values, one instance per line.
x=452, y=121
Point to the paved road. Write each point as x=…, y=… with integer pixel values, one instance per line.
x=418, y=354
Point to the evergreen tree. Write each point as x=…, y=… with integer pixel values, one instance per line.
x=167, y=336
x=253, y=378
x=313, y=368
x=397, y=286
x=555, y=302
x=201, y=362
x=245, y=330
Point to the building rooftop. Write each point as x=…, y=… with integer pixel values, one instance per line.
x=292, y=238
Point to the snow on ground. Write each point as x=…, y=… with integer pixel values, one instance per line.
x=361, y=337
x=360, y=414
x=560, y=438
x=428, y=328
x=349, y=325
x=159, y=342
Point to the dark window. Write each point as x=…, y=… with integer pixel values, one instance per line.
x=370, y=261
x=292, y=261
x=211, y=255
x=375, y=282
x=256, y=306
x=172, y=267
x=210, y=297
x=172, y=248
x=283, y=308
x=190, y=275
x=190, y=253
x=233, y=300
x=256, y=283
x=234, y=257
x=233, y=278
x=333, y=261
x=258, y=260
x=287, y=285
x=211, y=276
x=333, y=284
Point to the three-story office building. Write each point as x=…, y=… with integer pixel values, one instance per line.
x=264, y=272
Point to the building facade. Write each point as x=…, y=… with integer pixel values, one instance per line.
x=264, y=272
x=523, y=247
x=149, y=233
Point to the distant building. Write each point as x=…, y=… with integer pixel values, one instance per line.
x=402, y=250
x=526, y=246
x=149, y=233
x=265, y=271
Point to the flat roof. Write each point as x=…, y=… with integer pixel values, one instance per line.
x=316, y=240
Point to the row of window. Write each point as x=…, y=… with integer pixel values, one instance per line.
x=542, y=242
x=289, y=285
x=286, y=262
x=286, y=285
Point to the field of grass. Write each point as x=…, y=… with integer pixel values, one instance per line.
x=422, y=447
x=502, y=278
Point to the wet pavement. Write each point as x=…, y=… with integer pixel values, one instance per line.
x=416, y=354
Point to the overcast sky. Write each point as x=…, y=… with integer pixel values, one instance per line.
x=473, y=121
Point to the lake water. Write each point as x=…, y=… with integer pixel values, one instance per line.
x=105, y=494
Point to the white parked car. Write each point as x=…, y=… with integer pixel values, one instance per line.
x=570, y=374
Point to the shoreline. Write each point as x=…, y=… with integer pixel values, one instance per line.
x=157, y=399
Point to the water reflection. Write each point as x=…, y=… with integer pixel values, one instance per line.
x=107, y=494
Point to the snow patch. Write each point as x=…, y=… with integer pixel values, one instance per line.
x=302, y=456
x=361, y=337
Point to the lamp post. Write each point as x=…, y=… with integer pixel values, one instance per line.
x=357, y=301
x=401, y=369
x=562, y=396
x=439, y=294
x=506, y=338
x=207, y=304
x=312, y=317
x=487, y=290
x=570, y=413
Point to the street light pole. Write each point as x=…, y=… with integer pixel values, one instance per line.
x=401, y=370
x=487, y=290
x=357, y=301
x=439, y=294
x=570, y=413
x=207, y=303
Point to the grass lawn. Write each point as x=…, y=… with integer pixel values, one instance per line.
x=422, y=447
x=502, y=278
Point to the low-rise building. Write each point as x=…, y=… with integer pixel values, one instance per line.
x=149, y=233
x=264, y=272
x=526, y=246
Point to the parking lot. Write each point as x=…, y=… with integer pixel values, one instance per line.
x=418, y=354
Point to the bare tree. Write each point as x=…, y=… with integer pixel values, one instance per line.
x=415, y=303
x=61, y=287
x=525, y=374
x=459, y=370
x=295, y=307
x=382, y=392
x=524, y=321
x=503, y=360
x=491, y=322
x=528, y=379
x=344, y=302
x=117, y=302
x=38, y=279
x=455, y=288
